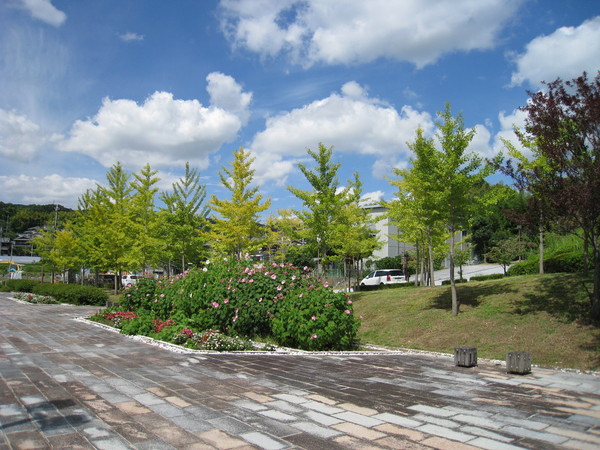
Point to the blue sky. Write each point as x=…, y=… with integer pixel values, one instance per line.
x=84, y=84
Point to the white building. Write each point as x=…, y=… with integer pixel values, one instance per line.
x=384, y=229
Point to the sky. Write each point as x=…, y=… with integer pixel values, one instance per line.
x=85, y=84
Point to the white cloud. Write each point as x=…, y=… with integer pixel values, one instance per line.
x=226, y=94
x=352, y=122
x=508, y=122
x=480, y=144
x=129, y=37
x=372, y=198
x=566, y=53
x=45, y=11
x=42, y=190
x=161, y=131
x=20, y=138
x=358, y=31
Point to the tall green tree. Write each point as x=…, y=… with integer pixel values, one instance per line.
x=184, y=220
x=236, y=229
x=353, y=238
x=147, y=247
x=563, y=120
x=322, y=203
x=460, y=173
x=105, y=226
x=416, y=208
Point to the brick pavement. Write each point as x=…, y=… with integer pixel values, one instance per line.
x=68, y=384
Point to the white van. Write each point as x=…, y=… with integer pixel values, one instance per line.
x=383, y=276
x=128, y=280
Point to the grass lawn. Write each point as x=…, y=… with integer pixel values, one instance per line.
x=541, y=314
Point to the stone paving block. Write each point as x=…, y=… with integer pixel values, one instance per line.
x=177, y=401
x=477, y=421
x=175, y=436
x=166, y=410
x=445, y=433
x=132, y=408
x=322, y=419
x=250, y=404
x=278, y=415
x=191, y=423
x=487, y=443
x=27, y=440
x=389, y=428
x=231, y=425
x=530, y=424
x=359, y=419
x=221, y=440
x=359, y=431
x=579, y=445
x=436, y=421
x=154, y=445
x=294, y=399
x=322, y=399
x=265, y=441
x=284, y=406
x=148, y=399
x=541, y=436
x=429, y=410
x=73, y=441
x=482, y=432
x=110, y=444
x=322, y=408
x=316, y=430
x=445, y=444
x=260, y=398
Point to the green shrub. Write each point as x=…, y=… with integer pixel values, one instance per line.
x=492, y=276
x=74, y=294
x=244, y=299
x=458, y=280
x=19, y=285
x=570, y=262
x=137, y=295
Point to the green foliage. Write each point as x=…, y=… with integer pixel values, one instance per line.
x=492, y=276
x=136, y=296
x=72, y=293
x=570, y=262
x=243, y=299
x=236, y=230
x=142, y=325
x=316, y=319
x=457, y=280
x=18, y=285
x=389, y=262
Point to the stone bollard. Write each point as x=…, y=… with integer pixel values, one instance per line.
x=518, y=362
x=465, y=356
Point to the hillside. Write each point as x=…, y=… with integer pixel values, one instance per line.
x=541, y=314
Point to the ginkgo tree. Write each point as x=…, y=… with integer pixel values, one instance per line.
x=236, y=230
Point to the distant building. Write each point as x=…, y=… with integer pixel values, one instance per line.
x=384, y=229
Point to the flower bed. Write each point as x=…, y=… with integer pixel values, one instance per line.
x=277, y=302
x=34, y=298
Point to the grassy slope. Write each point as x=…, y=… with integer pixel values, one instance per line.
x=541, y=314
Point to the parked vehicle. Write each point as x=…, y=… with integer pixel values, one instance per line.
x=129, y=280
x=384, y=276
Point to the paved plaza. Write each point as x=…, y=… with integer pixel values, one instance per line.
x=69, y=384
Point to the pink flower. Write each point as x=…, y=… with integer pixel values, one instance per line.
x=251, y=280
x=313, y=318
x=301, y=295
x=325, y=284
x=226, y=300
x=215, y=304
x=162, y=295
x=273, y=277
x=349, y=302
x=260, y=300
x=362, y=317
x=279, y=288
x=347, y=311
x=155, y=300
x=314, y=336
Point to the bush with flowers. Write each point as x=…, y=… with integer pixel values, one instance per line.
x=240, y=298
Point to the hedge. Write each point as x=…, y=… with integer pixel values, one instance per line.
x=492, y=276
x=72, y=293
x=18, y=285
x=571, y=262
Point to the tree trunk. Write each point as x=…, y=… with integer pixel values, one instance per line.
x=541, y=249
x=431, y=267
x=596, y=291
x=455, y=304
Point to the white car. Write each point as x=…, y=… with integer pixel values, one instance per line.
x=129, y=280
x=383, y=276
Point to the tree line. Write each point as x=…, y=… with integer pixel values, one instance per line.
x=443, y=191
